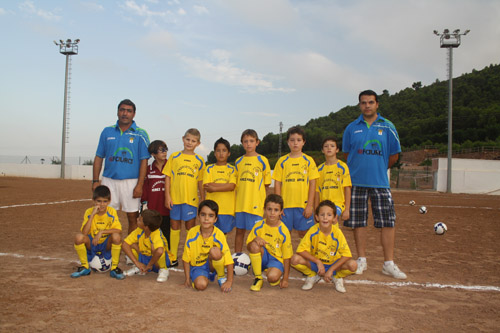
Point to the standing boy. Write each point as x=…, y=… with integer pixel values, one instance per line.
x=184, y=171
x=100, y=232
x=295, y=177
x=371, y=144
x=219, y=181
x=334, y=182
x=206, y=251
x=254, y=177
x=270, y=246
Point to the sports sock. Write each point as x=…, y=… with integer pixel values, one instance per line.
x=219, y=267
x=304, y=269
x=388, y=263
x=162, y=262
x=134, y=252
x=256, y=260
x=115, y=255
x=175, y=237
x=362, y=259
x=81, y=250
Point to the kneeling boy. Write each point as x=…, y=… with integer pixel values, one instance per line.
x=100, y=233
x=206, y=250
x=147, y=247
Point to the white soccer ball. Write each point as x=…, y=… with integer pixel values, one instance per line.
x=99, y=263
x=423, y=210
x=241, y=263
x=412, y=203
x=440, y=228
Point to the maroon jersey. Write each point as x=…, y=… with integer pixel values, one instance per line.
x=153, y=190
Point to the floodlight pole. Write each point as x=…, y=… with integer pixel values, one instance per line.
x=68, y=48
x=450, y=40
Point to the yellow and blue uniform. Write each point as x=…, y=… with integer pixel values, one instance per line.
x=106, y=221
x=147, y=245
x=332, y=181
x=327, y=248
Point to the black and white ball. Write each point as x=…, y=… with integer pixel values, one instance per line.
x=440, y=228
x=241, y=263
x=100, y=264
x=423, y=210
x=412, y=203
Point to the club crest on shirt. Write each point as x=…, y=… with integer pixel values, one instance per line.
x=131, y=140
x=380, y=132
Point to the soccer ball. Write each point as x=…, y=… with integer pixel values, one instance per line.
x=241, y=263
x=99, y=263
x=440, y=228
x=412, y=203
x=423, y=210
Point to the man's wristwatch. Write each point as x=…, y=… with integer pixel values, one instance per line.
x=95, y=181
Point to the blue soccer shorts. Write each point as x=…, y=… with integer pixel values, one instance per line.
x=246, y=220
x=294, y=219
x=269, y=261
x=146, y=259
x=384, y=214
x=225, y=223
x=98, y=249
x=197, y=271
x=183, y=212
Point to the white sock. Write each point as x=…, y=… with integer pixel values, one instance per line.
x=388, y=263
x=362, y=259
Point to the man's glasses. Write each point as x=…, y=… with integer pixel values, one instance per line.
x=162, y=150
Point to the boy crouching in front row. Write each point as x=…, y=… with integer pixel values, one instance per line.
x=100, y=234
x=147, y=247
x=206, y=252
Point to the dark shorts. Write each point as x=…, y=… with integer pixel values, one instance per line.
x=384, y=215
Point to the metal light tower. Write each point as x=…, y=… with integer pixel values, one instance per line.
x=280, y=140
x=68, y=48
x=450, y=40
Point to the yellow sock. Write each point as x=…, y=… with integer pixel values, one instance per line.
x=256, y=260
x=304, y=269
x=162, y=262
x=81, y=250
x=175, y=237
x=134, y=252
x=219, y=267
x=115, y=255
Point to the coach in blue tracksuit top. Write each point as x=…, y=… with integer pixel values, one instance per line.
x=371, y=145
x=124, y=148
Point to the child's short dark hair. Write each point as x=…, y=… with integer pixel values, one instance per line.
x=151, y=219
x=274, y=198
x=250, y=132
x=327, y=203
x=155, y=146
x=101, y=191
x=296, y=130
x=224, y=142
x=210, y=204
x=329, y=138
x=193, y=132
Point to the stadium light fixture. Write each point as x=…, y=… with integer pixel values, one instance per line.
x=450, y=41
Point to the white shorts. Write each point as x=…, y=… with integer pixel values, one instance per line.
x=122, y=191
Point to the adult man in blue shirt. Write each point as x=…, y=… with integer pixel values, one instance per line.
x=371, y=145
x=124, y=148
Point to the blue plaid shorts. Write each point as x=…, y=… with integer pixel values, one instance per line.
x=384, y=214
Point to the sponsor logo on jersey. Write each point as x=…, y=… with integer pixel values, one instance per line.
x=371, y=147
x=120, y=156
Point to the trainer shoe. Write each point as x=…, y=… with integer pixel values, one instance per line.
x=274, y=284
x=82, y=271
x=257, y=284
x=128, y=261
x=117, y=274
x=310, y=282
x=174, y=263
x=394, y=271
x=339, y=284
x=221, y=281
x=132, y=271
x=162, y=275
x=362, y=266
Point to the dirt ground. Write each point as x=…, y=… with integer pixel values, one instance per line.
x=453, y=280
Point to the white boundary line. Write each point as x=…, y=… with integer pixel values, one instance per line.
x=363, y=282
x=45, y=203
x=438, y=206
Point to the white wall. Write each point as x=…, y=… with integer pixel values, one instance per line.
x=468, y=175
x=45, y=171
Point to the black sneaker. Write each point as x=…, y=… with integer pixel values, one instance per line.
x=117, y=273
x=174, y=263
x=82, y=271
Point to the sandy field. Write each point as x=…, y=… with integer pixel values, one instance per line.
x=453, y=280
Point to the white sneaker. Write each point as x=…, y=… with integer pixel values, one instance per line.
x=339, y=284
x=362, y=266
x=394, y=271
x=128, y=261
x=162, y=275
x=133, y=271
x=310, y=282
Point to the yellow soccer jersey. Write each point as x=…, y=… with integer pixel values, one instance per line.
x=279, y=243
x=196, y=248
x=294, y=175
x=184, y=171
x=327, y=248
x=108, y=220
x=332, y=181
x=147, y=245
x=254, y=174
x=221, y=174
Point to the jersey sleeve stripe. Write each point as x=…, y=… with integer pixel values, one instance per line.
x=188, y=243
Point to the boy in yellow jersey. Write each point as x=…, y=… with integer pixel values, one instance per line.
x=147, y=247
x=219, y=181
x=334, y=181
x=254, y=177
x=206, y=252
x=295, y=177
x=270, y=246
x=323, y=252
x=184, y=171
x=100, y=233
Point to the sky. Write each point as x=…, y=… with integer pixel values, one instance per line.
x=221, y=66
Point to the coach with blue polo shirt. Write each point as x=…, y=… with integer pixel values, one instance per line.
x=371, y=145
x=124, y=147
